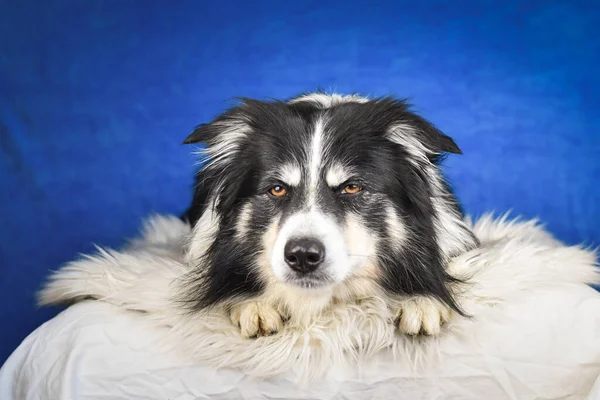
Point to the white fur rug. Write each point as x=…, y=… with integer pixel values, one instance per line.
x=517, y=262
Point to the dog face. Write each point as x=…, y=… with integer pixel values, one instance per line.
x=319, y=191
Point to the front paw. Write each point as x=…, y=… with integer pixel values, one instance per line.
x=422, y=315
x=256, y=319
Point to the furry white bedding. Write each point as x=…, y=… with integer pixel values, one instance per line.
x=534, y=333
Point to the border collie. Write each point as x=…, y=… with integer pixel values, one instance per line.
x=323, y=199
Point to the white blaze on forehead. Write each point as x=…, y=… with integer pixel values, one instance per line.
x=337, y=174
x=290, y=174
x=315, y=159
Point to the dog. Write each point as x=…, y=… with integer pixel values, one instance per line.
x=322, y=199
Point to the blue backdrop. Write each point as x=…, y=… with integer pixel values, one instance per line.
x=96, y=96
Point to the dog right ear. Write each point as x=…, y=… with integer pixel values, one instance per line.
x=232, y=124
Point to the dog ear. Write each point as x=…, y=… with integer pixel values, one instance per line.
x=201, y=133
x=419, y=137
x=223, y=164
x=234, y=119
x=433, y=138
x=229, y=122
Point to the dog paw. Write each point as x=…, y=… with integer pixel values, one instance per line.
x=256, y=319
x=422, y=315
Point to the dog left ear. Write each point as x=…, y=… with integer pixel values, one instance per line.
x=435, y=139
x=420, y=138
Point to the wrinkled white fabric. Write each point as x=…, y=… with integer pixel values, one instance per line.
x=595, y=393
x=94, y=350
x=538, y=339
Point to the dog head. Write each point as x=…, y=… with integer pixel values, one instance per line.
x=316, y=192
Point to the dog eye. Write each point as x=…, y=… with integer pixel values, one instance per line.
x=278, y=191
x=351, y=189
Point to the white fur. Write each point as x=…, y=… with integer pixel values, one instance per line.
x=326, y=100
x=396, y=228
x=418, y=314
x=405, y=135
x=315, y=161
x=360, y=241
x=336, y=175
x=204, y=233
x=227, y=143
x=290, y=174
x=256, y=318
x=318, y=226
x=515, y=259
x=451, y=236
x=243, y=219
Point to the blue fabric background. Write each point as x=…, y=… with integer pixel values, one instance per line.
x=96, y=97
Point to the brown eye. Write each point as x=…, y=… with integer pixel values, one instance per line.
x=278, y=191
x=351, y=189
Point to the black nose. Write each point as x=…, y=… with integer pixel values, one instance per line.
x=304, y=255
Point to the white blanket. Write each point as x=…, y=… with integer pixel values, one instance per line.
x=535, y=334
